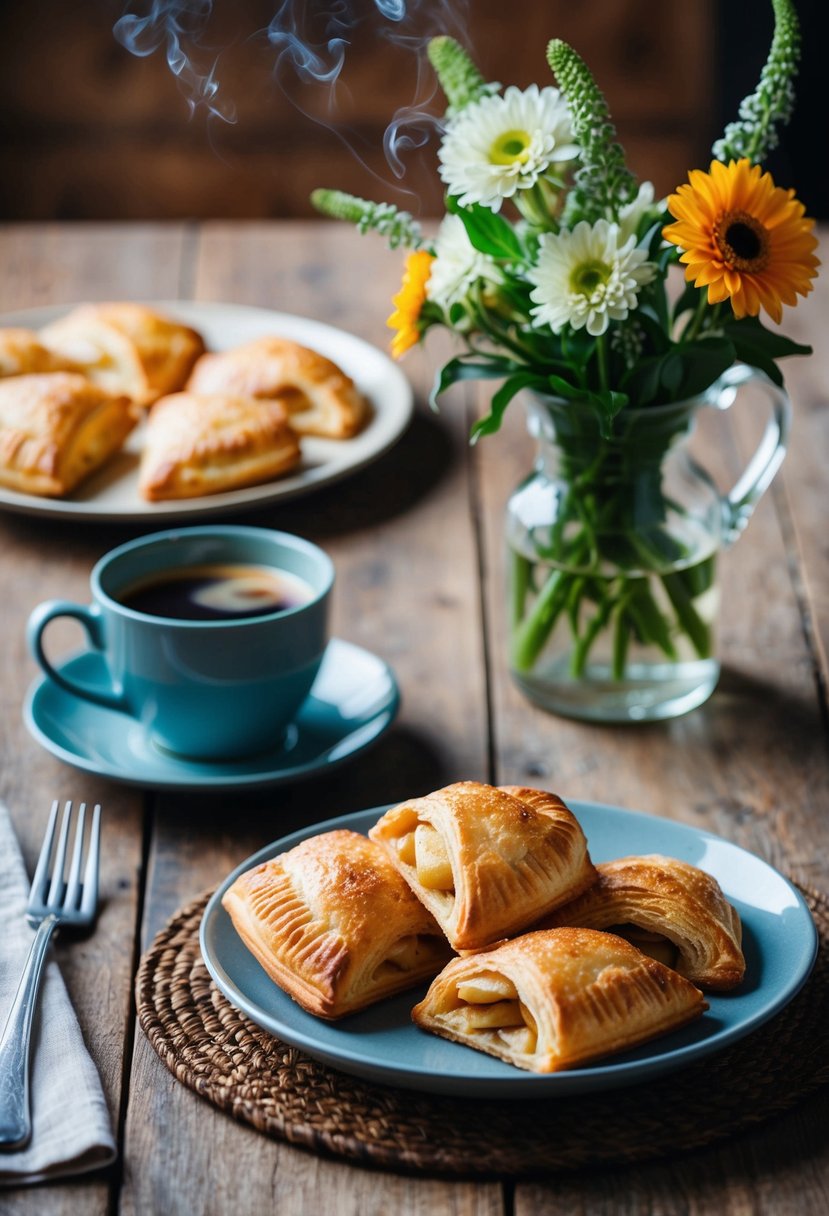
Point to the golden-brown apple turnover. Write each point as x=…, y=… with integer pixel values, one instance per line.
x=669, y=909
x=127, y=348
x=56, y=429
x=557, y=998
x=23, y=354
x=334, y=924
x=321, y=399
x=487, y=861
x=198, y=445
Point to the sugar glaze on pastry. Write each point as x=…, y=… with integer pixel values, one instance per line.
x=332, y=923
x=23, y=354
x=56, y=429
x=320, y=397
x=670, y=910
x=555, y=999
x=487, y=861
x=198, y=445
x=127, y=348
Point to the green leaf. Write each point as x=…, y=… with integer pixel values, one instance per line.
x=760, y=347
x=700, y=364
x=642, y=385
x=655, y=324
x=564, y=389
x=460, y=369
x=488, y=233
x=671, y=374
x=491, y=422
x=608, y=403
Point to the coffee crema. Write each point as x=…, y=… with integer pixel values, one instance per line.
x=216, y=592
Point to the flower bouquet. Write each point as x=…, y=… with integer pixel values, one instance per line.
x=553, y=266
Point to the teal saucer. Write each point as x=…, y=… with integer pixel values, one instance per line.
x=352, y=703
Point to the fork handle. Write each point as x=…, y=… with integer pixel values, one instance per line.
x=15, y=1117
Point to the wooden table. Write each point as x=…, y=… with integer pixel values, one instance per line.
x=416, y=539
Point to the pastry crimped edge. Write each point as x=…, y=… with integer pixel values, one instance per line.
x=23, y=354
x=499, y=890
x=591, y=994
x=196, y=445
x=321, y=398
x=323, y=916
x=127, y=347
x=673, y=899
x=56, y=429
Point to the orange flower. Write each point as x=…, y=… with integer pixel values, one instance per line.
x=409, y=301
x=743, y=238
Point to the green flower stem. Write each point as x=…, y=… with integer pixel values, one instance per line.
x=601, y=354
x=581, y=650
x=650, y=622
x=574, y=604
x=608, y=562
x=532, y=633
x=691, y=622
x=621, y=638
x=627, y=603
x=502, y=336
x=519, y=586
x=697, y=318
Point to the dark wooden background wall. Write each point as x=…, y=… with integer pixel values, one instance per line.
x=88, y=130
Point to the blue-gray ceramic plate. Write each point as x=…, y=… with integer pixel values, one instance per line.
x=353, y=701
x=381, y=1044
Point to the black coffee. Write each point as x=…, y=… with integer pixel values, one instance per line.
x=216, y=592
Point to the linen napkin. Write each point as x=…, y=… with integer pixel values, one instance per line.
x=71, y=1131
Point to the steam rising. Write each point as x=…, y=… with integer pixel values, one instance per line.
x=310, y=40
x=169, y=23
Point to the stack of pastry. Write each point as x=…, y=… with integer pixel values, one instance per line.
x=72, y=392
x=554, y=959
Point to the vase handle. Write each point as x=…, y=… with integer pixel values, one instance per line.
x=761, y=468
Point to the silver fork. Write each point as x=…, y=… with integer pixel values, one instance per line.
x=58, y=897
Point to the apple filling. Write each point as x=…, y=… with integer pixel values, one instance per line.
x=655, y=945
x=412, y=953
x=489, y=1008
x=424, y=849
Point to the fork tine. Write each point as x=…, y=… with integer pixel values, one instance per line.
x=55, y=895
x=90, y=877
x=42, y=869
x=73, y=882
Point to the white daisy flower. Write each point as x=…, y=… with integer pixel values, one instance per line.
x=499, y=145
x=585, y=278
x=457, y=265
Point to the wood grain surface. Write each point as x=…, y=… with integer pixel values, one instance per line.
x=417, y=543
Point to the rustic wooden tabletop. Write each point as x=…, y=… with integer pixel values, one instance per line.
x=416, y=539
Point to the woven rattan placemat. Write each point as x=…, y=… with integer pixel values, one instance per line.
x=240, y=1068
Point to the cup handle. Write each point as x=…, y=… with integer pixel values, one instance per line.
x=741, y=500
x=90, y=618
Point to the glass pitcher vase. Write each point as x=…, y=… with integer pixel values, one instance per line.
x=613, y=543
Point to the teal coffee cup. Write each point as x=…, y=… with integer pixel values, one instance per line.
x=212, y=636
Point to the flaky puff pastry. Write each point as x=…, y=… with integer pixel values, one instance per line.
x=322, y=400
x=487, y=861
x=334, y=924
x=56, y=429
x=23, y=354
x=127, y=348
x=668, y=909
x=557, y=998
x=198, y=445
